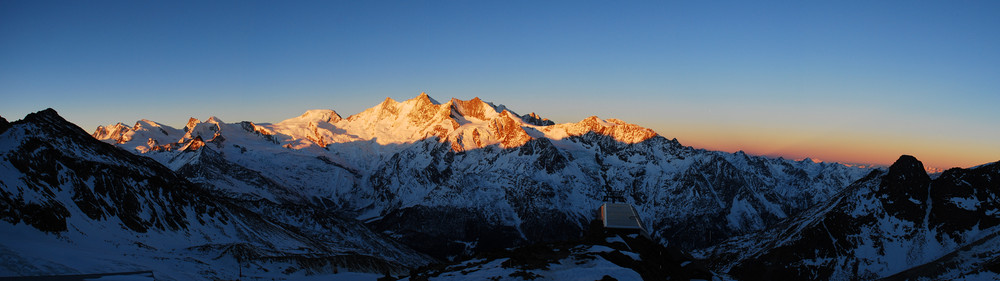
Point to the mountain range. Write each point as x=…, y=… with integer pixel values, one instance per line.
x=72, y=204
x=884, y=225
x=406, y=184
x=401, y=165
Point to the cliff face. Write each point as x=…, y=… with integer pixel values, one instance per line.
x=65, y=195
x=499, y=177
x=881, y=225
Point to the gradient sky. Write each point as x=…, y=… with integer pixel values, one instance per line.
x=845, y=81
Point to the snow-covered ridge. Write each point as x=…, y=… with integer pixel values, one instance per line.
x=145, y=134
x=486, y=167
x=883, y=224
x=74, y=205
x=466, y=124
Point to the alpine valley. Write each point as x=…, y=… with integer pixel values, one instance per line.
x=468, y=189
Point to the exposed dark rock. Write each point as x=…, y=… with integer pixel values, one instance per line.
x=906, y=186
x=655, y=262
x=66, y=172
x=882, y=216
x=548, y=156
x=3, y=124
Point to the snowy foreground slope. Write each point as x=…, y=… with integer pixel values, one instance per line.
x=70, y=204
x=459, y=177
x=896, y=224
x=467, y=189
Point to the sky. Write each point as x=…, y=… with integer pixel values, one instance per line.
x=845, y=81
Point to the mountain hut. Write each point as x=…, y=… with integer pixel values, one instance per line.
x=619, y=216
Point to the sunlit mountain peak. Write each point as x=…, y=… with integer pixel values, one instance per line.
x=466, y=124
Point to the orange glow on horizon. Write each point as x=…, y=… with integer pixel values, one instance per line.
x=877, y=148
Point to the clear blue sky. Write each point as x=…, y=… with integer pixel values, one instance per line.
x=854, y=81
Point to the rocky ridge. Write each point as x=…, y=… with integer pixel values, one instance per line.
x=897, y=222
x=105, y=209
x=498, y=177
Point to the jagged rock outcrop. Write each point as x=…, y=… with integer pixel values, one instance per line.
x=508, y=130
x=65, y=192
x=536, y=120
x=617, y=129
x=114, y=132
x=3, y=124
x=885, y=223
x=474, y=108
x=409, y=160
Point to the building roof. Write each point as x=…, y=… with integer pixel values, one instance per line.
x=620, y=215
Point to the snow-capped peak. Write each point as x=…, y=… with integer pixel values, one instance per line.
x=467, y=124
x=617, y=129
x=423, y=96
x=146, y=123
x=191, y=123
x=115, y=133
x=317, y=115
x=474, y=108
x=810, y=160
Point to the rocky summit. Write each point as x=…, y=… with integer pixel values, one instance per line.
x=421, y=189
